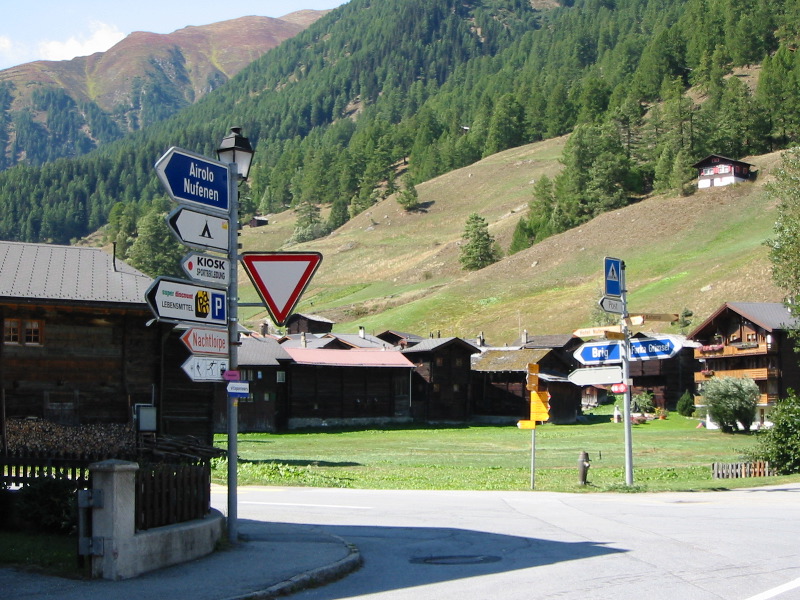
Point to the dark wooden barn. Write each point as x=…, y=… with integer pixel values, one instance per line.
x=441, y=389
x=79, y=345
x=347, y=387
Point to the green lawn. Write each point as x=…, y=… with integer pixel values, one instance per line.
x=673, y=454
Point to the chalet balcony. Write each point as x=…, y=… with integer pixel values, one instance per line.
x=763, y=400
x=754, y=374
x=738, y=349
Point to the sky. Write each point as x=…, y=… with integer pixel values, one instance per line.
x=64, y=29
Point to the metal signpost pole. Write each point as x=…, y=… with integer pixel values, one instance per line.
x=626, y=374
x=233, y=356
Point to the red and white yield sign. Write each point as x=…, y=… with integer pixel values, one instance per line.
x=280, y=278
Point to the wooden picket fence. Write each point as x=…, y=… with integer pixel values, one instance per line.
x=172, y=493
x=24, y=468
x=742, y=469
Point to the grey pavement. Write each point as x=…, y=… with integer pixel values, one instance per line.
x=272, y=559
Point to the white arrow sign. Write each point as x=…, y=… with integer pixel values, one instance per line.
x=210, y=269
x=596, y=376
x=612, y=305
x=205, y=368
x=199, y=230
x=204, y=340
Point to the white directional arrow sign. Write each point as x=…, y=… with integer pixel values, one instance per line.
x=596, y=376
x=211, y=269
x=178, y=301
x=205, y=368
x=200, y=230
x=612, y=305
x=204, y=340
x=280, y=278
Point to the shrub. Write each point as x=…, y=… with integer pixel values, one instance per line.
x=49, y=505
x=730, y=401
x=686, y=404
x=780, y=444
x=643, y=402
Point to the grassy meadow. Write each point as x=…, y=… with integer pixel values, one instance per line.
x=671, y=454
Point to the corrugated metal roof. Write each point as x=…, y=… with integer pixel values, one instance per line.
x=261, y=352
x=508, y=360
x=49, y=272
x=349, y=358
x=769, y=315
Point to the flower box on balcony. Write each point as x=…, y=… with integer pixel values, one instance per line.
x=712, y=348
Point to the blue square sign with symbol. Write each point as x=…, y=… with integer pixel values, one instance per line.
x=614, y=275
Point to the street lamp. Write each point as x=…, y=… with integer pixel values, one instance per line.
x=235, y=148
x=236, y=151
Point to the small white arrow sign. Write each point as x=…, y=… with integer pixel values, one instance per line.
x=205, y=368
x=612, y=305
x=210, y=269
x=200, y=230
x=596, y=376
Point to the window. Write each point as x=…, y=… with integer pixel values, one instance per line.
x=22, y=331
x=11, y=331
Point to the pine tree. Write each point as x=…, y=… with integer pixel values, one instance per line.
x=479, y=249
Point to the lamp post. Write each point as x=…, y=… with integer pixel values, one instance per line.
x=236, y=151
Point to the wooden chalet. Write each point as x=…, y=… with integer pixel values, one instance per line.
x=77, y=347
x=347, y=387
x=749, y=339
x=667, y=378
x=500, y=378
x=302, y=323
x=715, y=171
x=441, y=389
x=265, y=364
x=400, y=338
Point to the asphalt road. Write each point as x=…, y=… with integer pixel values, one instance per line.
x=440, y=545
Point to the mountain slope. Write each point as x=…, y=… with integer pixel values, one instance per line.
x=387, y=269
x=173, y=70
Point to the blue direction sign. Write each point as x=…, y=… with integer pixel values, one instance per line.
x=194, y=179
x=654, y=348
x=613, y=271
x=597, y=353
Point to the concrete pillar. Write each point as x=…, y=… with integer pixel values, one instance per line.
x=115, y=521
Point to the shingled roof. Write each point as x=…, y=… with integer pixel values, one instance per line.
x=44, y=272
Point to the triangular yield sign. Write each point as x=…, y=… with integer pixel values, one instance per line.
x=280, y=278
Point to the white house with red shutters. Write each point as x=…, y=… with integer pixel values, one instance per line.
x=716, y=171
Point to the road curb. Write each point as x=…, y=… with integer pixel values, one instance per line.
x=312, y=578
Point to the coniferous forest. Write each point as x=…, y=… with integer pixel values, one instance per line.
x=438, y=84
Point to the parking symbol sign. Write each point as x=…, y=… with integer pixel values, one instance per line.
x=614, y=275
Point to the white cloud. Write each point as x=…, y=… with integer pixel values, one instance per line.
x=101, y=38
x=10, y=53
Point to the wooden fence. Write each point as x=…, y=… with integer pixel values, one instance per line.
x=743, y=469
x=165, y=493
x=168, y=494
x=24, y=468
